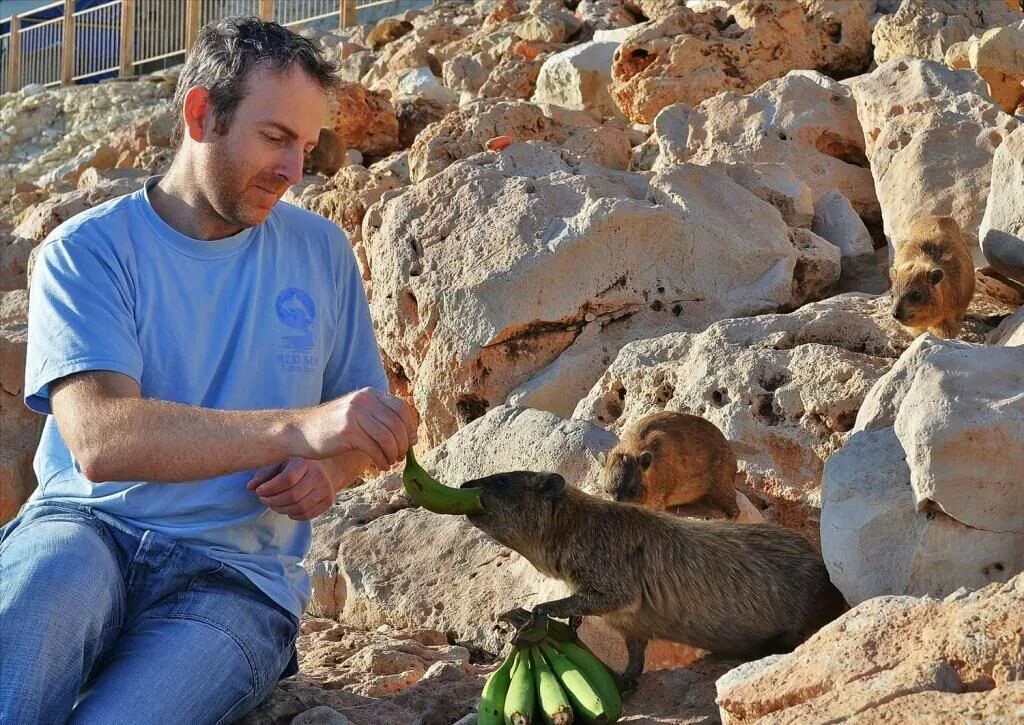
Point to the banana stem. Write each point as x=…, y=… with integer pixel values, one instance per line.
x=427, y=492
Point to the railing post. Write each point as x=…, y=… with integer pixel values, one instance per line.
x=193, y=9
x=348, y=15
x=127, y=38
x=266, y=9
x=14, y=48
x=67, y=65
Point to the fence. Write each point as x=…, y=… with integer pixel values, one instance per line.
x=57, y=44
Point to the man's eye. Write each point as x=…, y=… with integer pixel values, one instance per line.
x=272, y=138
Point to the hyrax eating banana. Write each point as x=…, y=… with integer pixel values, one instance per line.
x=739, y=590
x=667, y=460
x=932, y=277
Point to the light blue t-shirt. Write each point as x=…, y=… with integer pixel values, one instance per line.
x=272, y=317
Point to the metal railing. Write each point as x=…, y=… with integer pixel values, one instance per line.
x=97, y=40
x=41, y=53
x=57, y=44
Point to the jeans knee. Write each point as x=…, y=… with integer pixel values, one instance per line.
x=60, y=563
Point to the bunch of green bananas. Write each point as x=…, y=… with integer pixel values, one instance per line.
x=555, y=681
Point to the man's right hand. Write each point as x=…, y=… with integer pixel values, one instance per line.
x=380, y=425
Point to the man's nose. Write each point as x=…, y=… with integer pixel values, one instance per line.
x=290, y=167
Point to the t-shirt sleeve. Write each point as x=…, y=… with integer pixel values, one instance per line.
x=80, y=318
x=355, y=361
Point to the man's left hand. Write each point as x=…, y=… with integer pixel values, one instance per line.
x=299, y=488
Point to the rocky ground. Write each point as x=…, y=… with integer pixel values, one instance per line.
x=688, y=206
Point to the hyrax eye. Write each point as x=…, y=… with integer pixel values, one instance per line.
x=915, y=296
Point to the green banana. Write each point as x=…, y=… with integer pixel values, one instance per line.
x=555, y=707
x=522, y=697
x=586, y=702
x=491, y=710
x=597, y=674
x=433, y=496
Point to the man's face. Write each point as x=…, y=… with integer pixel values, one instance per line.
x=245, y=169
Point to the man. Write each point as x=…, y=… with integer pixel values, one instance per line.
x=207, y=363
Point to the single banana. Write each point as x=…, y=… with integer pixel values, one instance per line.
x=597, y=674
x=522, y=697
x=586, y=702
x=434, y=496
x=555, y=707
x=491, y=710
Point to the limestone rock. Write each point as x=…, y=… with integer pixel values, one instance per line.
x=688, y=56
x=552, y=263
x=60, y=130
x=382, y=677
x=777, y=185
x=14, y=254
x=20, y=425
x=998, y=57
x=928, y=28
x=1010, y=332
x=355, y=67
x=1002, y=227
x=606, y=14
x=421, y=83
x=364, y=120
x=907, y=507
x=466, y=132
x=931, y=134
x=836, y=220
x=786, y=386
x=803, y=120
x=578, y=78
x=894, y=659
x=415, y=114
x=512, y=77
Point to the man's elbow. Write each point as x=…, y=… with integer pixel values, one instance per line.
x=94, y=464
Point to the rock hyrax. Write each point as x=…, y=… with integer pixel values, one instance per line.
x=667, y=460
x=932, y=277
x=386, y=31
x=738, y=590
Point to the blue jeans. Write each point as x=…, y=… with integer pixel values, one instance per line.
x=101, y=622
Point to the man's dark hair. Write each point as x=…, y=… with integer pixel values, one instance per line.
x=225, y=54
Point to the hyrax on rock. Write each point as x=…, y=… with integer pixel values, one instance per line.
x=932, y=277
x=737, y=590
x=668, y=460
x=387, y=31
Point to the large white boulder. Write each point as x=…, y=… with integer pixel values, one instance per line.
x=927, y=495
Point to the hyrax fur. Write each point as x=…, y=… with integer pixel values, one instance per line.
x=932, y=277
x=668, y=460
x=387, y=31
x=738, y=590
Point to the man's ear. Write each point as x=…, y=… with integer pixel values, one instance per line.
x=552, y=485
x=198, y=118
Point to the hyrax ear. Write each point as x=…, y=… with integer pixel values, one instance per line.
x=935, y=276
x=646, y=458
x=551, y=485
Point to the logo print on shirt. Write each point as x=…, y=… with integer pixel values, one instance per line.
x=295, y=308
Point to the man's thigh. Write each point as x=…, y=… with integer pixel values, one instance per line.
x=206, y=655
x=61, y=605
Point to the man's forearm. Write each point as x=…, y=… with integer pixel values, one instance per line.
x=132, y=439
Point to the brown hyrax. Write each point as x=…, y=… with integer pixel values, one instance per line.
x=668, y=460
x=387, y=31
x=738, y=590
x=932, y=277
